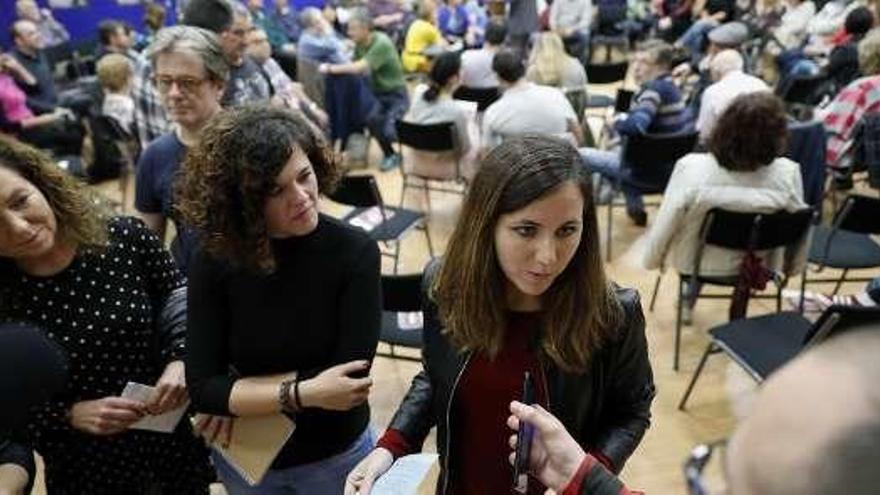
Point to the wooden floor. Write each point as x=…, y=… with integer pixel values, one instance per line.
x=722, y=397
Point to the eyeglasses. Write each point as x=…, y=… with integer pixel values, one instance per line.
x=696, y=474
x=184, y=84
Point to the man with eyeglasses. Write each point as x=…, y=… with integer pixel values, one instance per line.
x=231, y=21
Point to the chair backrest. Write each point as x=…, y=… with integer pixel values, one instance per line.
x=752, y=231
x=859, y=214
x=360, y=191
x=651, y=157
x=483, y=96
x=607, y=73
x=804, y=90
x=756, y=231
x=578, y=99
x=866, y=152
x=427, y=137
x=837, y=319
x=645, y=150
x=402, y=293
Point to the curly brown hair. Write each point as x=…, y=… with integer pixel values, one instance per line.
x=750, y=133
x=226, y=179
x=580, y=310
x=81, y=218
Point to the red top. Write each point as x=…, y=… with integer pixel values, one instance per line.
x=479, y=449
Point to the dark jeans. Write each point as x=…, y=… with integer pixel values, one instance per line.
x=389, y=108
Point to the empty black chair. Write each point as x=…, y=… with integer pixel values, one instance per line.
x=746, y=232
x=401, y=314
x=763, y=344
x=649, y=159
x=482, y=96
x=847, y=243
x=385, y=224
x=434, y=138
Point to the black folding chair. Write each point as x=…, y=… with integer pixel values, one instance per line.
x=650, y=159
x=742, y=232
x=847, y=244
x=362, y=192
x=607, y=73
x=763, y=344
x=482, y=96
x=401, y=314
x=802, y=93
x=435, y=138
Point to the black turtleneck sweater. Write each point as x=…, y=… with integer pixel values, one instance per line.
x=321, y=307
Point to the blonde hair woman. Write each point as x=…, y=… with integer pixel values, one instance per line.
x=550, y=65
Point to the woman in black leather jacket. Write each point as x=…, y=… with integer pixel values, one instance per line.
x=522, y=289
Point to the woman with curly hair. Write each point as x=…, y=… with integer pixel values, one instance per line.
x=286, y=297
x=107, y=292
x=522, y=291
x=744, y=170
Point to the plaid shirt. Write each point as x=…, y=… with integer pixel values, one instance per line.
x=149, y=115
x=851, y=104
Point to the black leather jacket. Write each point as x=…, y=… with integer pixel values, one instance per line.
x=606, y=409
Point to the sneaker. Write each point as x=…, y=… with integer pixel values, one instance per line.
x=639, y=217
x=390, y=162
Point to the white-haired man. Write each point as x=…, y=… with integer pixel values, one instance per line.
x=726, y=69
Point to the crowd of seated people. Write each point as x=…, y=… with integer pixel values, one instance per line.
x=263, y=304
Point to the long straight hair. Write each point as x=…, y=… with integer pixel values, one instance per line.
x=579, y=310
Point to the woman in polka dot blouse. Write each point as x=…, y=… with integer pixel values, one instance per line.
x=96, y=285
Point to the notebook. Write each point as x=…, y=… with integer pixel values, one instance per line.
x=255, y=444
x=162, y=423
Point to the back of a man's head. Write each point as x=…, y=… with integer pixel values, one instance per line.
x=508, y=66
x=496, y=32
x=213, y=15
x=725, y=62
x=815, y=427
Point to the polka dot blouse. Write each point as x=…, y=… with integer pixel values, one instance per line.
x=101, y=310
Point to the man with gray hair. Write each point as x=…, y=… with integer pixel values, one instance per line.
x=191, y=72
x=319, y=42
x=52, y=33
x=726, y=69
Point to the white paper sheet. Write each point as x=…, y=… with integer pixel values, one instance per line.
x=405, y=476
x=163, y=423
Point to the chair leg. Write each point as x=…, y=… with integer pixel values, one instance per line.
x=403, y=192
x=677, y=338
x=803, y=288
x=391, y=351
x=427, y=197
x=654, y=294
x=710, y=349
x=428, y=239
x=840, y=281
x=396, y=255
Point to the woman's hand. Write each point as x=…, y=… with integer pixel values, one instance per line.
x=106, y=416
x=333, y=389
x=170, y=389
x=13, y=479
x=360, y=480
x=214, y=428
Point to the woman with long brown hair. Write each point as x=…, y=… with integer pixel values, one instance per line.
x=522, y=289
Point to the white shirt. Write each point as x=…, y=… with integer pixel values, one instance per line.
x=121, y=108
x=476, y=69
x=793, y=27
x=527, y=108
x=718, y=95
x=699, y=184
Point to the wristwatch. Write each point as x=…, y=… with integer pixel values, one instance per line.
x=287, y=406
